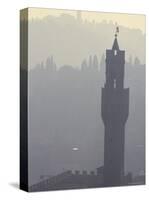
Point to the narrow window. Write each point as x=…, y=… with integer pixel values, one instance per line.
x=115, y=52
x=114, y=83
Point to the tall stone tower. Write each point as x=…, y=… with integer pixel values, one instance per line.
x=114, y=111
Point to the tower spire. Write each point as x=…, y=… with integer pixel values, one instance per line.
x=116, y=32
x=115, y=44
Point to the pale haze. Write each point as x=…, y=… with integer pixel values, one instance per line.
x=136, y=21
x=72, y=36
x=66, y=74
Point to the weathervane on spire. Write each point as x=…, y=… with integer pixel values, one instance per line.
x=117, y=31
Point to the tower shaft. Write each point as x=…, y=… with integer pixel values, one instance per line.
x=114, y=108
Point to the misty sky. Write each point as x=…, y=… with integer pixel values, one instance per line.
x=71, y=36
x=136, y=21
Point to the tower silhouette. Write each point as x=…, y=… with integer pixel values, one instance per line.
x=114, y=112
